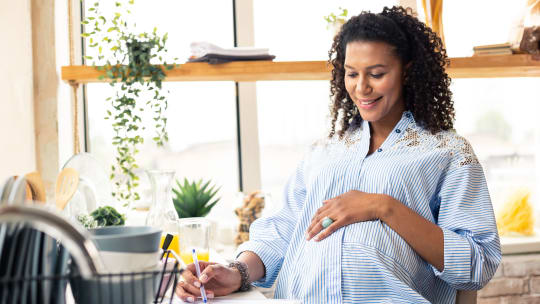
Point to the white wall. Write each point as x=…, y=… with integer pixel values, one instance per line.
x=17, y=143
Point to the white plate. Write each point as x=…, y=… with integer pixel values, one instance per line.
x=6, y=189
x=59, y=286
x=83, y=201
x=26, y=268
x=14, y=257
x=48, y=265
x=96, y=183
x=17, y=195
x=36, y=254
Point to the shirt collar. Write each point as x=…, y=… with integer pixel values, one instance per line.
x=398, y=131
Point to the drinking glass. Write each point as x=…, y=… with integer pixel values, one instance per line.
x=194, y=233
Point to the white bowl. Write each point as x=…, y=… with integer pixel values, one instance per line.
x=116, y=262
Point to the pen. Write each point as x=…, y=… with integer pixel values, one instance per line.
x=198, y=269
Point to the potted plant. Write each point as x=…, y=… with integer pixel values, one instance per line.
x=128, y=60
x=194, y=199
x=102, y=217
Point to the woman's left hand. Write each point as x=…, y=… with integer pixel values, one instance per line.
x=350, y=207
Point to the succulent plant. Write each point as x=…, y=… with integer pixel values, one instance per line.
x=192, y=199
x=108, y=216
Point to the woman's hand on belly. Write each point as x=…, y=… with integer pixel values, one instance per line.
x=425, y=237
x=348, y=208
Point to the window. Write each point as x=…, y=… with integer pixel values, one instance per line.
x=201, y=115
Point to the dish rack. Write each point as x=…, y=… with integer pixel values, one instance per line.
x=44, y=258
x=116, y=288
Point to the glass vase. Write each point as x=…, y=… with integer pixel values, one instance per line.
x=162, y=213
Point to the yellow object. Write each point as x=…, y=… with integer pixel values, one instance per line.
x=174, y=246
x=516, y=216
x=434, y=16
x=187, y=257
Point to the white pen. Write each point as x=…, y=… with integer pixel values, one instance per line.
x=198, y=269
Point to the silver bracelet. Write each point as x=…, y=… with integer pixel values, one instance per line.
x=244, y=275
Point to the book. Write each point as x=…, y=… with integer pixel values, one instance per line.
x=498, y=46
x=493, y=52
x=493, y=49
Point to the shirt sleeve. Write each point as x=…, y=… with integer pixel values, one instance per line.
x=269, y=237
x=472, y=250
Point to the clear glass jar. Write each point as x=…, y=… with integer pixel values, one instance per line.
x=162, y=213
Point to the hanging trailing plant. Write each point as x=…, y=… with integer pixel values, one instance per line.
x=128, y=60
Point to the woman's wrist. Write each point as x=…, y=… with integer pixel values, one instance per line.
x=242, y=268
x=385, y=208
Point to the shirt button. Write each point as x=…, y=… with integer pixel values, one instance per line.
x=398, y=131
x=379, y=150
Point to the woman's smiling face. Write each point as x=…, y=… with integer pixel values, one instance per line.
x=374, y=81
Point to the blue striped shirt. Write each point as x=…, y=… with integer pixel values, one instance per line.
x=436, y=175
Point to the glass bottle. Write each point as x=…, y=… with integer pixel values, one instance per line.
x=162, y=213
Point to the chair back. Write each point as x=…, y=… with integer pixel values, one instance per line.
x=466, y=297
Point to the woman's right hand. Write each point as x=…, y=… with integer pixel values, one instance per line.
x=218, y=280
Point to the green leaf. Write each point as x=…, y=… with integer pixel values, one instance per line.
x=191, y=199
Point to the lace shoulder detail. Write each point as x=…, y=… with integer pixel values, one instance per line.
x=350, y=138
x=457, y=147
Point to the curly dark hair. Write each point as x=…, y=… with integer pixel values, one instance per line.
x=426, y=90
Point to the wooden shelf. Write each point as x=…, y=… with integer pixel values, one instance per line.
x=496, y=66
x=233, y=71
x=467, y=67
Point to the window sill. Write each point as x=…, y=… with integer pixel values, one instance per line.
x=520, y=244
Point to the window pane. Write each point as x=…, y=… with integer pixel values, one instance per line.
x=300, y=32
x=292, y=116
x=201, y=115
x=184, y=21
x=202, y=135
x=499, y=118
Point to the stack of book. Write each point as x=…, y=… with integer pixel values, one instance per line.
x=213, y=54
x=493, y=49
